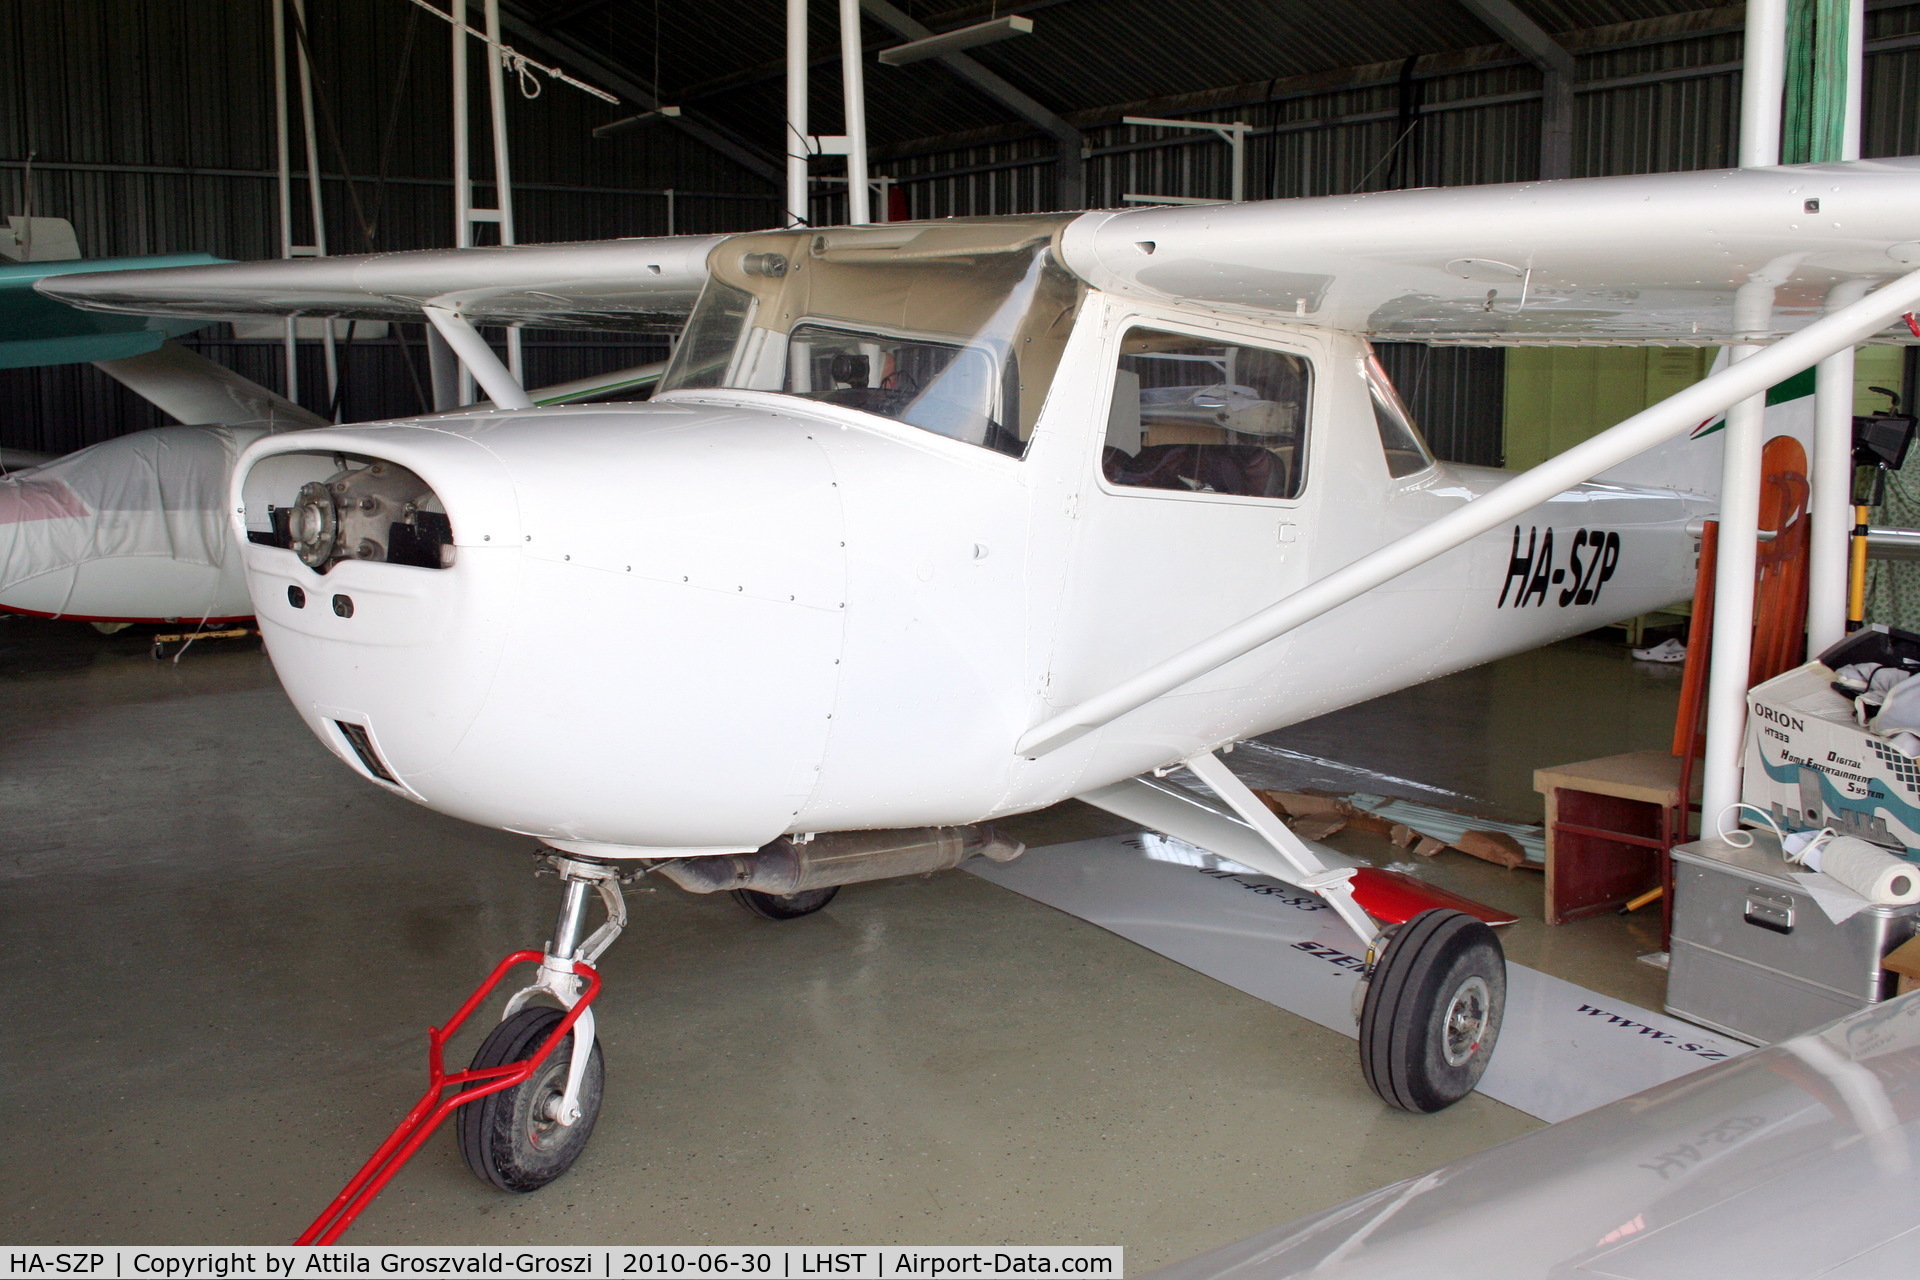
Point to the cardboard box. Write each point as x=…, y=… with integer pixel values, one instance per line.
x=1904, y=960
x=1810, y=766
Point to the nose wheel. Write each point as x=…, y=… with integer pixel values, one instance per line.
x=517, y=1140
x=1432, y=1011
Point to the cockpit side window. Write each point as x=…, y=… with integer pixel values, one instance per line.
x=1406, y=452
x=1200, y=415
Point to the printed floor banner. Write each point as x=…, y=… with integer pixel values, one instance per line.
x=1563, y=1049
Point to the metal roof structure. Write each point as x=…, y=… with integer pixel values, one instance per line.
x=1085, y=58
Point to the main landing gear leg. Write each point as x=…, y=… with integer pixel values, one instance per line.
x=1435, y=987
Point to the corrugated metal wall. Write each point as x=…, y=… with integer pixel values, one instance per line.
x=151, y=126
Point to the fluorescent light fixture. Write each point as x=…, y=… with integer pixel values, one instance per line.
x=954, y=41
x=634, y=122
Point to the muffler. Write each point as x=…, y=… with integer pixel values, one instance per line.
x=842, y=857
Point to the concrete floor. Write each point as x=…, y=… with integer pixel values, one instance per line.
x=222, y=949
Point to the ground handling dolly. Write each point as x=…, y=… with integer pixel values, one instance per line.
x=542, y=1129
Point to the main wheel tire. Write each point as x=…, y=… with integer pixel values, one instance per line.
x=508, y=1139
x=785, y=906
x=1432, y=1012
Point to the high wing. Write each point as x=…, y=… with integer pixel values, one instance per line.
x=1652, y=259
x=640, y=284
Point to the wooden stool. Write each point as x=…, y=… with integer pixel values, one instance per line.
x=1610, y=823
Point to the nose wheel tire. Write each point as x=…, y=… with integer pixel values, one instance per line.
x=1432, y=1011
x=513, y=1139
x=785, y=906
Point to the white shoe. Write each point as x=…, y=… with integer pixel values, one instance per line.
x=1665, y=651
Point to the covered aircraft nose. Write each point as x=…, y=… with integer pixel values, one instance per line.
x=614, y=602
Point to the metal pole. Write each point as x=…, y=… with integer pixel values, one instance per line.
x=1679, y=412
x=315, y=205
x=283, y=177
x=1832, y=478
x=462, y=169
x=797, y=135
x=1762, y=89
x=444, y=367
x=462, y=175
x=669, y=195
x=1763, y=81
x=853, y=88
x=1732, y=642
x=1832, y=485
x=502, y=168
x=1237, y=141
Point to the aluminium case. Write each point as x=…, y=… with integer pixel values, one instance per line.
x=1754, y=956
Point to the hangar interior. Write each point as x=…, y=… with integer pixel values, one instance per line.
x=226, y=941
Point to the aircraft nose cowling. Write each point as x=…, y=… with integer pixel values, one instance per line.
x=635, y=644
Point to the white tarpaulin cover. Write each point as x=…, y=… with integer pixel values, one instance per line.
x=159, y=493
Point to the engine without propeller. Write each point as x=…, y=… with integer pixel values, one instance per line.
x=377, y=512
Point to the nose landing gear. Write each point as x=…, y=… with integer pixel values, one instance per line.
x=526, y=1111
x=522, y=1138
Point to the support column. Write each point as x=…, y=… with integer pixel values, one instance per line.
x=1732, y=643
x=797, y=127
x=1763, y=79
x=853, y=89
x=1832, y=486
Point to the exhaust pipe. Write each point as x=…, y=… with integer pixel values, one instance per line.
x=841, y=857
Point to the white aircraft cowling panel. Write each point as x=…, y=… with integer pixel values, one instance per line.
x=545, y=687
x=935, y=680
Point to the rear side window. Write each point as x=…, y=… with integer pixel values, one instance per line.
x=1406, y=451
x=1199, y=415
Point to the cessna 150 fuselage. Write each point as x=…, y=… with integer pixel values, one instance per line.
x=920, y=510
x=882, y=518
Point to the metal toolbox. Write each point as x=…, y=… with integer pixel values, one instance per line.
x=1754, y=956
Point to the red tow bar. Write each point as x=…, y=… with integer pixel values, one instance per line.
x=433, y=1108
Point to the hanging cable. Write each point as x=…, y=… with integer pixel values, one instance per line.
x=517, y=62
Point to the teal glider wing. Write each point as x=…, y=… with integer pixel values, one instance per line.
x=37, y=330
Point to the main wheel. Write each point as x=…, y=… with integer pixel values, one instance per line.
x=1432, y=1011
x=512, y=1139
x=785, y=906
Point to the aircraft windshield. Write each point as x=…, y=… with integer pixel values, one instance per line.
x=954, y=327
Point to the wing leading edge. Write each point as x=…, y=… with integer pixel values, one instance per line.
x=641, y=284
x=1651, y=259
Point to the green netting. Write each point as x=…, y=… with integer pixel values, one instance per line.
x=1816, y=81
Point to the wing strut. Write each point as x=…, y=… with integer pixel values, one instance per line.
x=1677, y=413
x=1297, y=864
x=494, y=378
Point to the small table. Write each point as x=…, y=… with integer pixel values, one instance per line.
x=1610, y=823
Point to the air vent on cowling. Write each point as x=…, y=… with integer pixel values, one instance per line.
x=362, y=744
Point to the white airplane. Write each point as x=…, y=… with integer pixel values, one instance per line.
x=934, y=523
